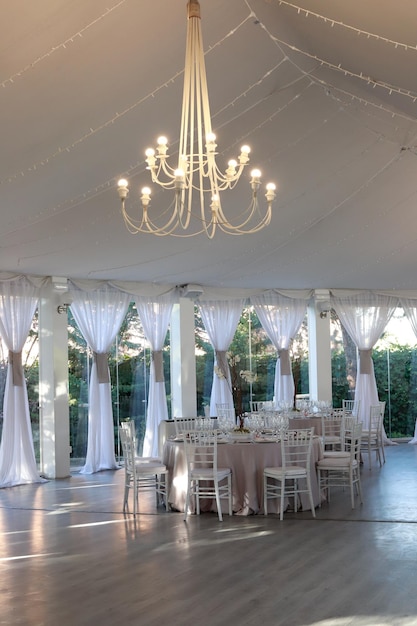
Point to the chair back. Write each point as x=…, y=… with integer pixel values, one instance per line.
x=296, y=446
x=353, y=436
x=257, y=407
x=332, y=429
x=128, y=446
x=184, y=425
x=351, y=407
x=201, y=449
x=376, y=420
x=226, y=412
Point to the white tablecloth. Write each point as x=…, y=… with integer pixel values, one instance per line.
x=247, y=462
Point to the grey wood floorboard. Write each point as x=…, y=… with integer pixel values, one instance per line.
x=68, y=556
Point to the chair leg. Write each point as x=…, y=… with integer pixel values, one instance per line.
x=187, y=501
x=229, y=487
x=265, y=495
x=281, y=502
x=218, y=501
x=310, y=495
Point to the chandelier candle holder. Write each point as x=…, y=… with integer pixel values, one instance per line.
x=197, y=181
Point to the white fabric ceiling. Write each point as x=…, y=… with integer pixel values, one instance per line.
x=323, y=90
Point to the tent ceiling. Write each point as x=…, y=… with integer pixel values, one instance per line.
x=323, y=90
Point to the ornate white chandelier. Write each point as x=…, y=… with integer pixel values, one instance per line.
x=197, y=175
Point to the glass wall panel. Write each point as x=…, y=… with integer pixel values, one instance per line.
x=252, y=361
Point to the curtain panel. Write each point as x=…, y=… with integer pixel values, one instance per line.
x=18, y=301
x=99, y=315
x=364, y=315
x=155, y=315
x=281, y=318
x=220, y=319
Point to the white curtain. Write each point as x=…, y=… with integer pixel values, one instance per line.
x=365, y=316
x=99, y=315
x=155, y=314
x=220, y=320
x=281, y=318
x=18, y=300
x=410, y=309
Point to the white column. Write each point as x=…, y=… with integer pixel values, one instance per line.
x=53, y=385
x=183, y=363
x=319, y=349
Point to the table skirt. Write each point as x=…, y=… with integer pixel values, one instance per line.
x=247, y=462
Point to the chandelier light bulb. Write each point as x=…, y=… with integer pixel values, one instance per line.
x=162, y=141
x=123, y=189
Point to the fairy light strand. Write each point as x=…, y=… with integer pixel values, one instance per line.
x=358, y=31
x=117, y=115
x=60, y=46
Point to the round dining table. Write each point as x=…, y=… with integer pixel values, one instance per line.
x=247, y=461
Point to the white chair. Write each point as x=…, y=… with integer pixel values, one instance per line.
x=257, y=407
x=184, y=425
x=141, y=473
x=129, y=426
x=341, y=469
x=205, y=478
x=372, y=440
x=332, y=431
x=293, y=477
x=382, y=405
x=351, y=407
x=226, y=412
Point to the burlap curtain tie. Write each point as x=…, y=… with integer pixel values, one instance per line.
x=158, y=366
x=15, y=364
x=102, y=367
x=365, y=361
x=221, y=360
x=284, y=357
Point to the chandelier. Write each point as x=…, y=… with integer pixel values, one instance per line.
x=196, y=181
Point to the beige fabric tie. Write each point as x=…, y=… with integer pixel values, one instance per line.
x=15, y=363
x=158, y=366
x=221, y=360
x=365, y=360
x=102, y=365
x=284, y=357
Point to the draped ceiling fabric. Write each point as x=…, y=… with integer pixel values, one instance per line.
x=220, y=319
x=364, y=316
x=155, y=314
x=18, y=300
x=99, y=315
x=410, y=309
x=281, y=318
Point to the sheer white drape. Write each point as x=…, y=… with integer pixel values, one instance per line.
x=99, y=315
x=281, y=318
x=220, y=320
x=410, y=309
x=18, y=300
x=155, y=314
x=365, y=316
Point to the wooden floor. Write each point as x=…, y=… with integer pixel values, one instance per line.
x=68, y=556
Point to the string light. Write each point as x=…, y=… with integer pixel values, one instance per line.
x=60, y=46
x=358, y=31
